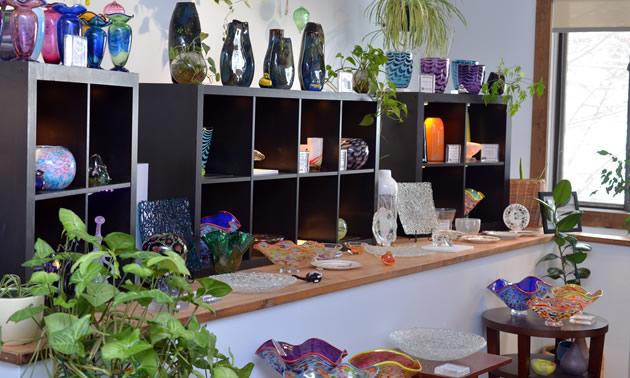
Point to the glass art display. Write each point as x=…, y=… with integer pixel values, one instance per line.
x=543, y=367
x=472, y=149
x=333, y=251
x=384, y=227
x=50, y=54
x=434, y=133
x=388, y=195
x=554, y=310
x=96, y=37
x=274, y=34
x=206, y=140
x=184, y=30
x=57, y=164
x=576, y=293
x=391, y=363
x=440, y=68
x=119, y=35
x=342, y=228
x=227, y=249
x=470, y=77
x=24, y=26
x=516, y=295
x=97, y=173
x=237, y=56
x=300, y=17
x=454, y=70
x=312, y=71
x=416, y=208
x=288, y=256
x=221, y=221
x=399, y=68
x=40, y=181
x=472, y=198
x=255, y=282
x=358, y=152
x=437, y=344
x=312, y=353
x=68, y=24
x=388, y=258
x=166, y=241
x=282, y=66
x=7, y=52
x=340, y=371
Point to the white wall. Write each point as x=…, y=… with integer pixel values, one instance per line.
x=496, y=29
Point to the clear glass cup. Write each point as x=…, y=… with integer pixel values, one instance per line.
x=445, y=217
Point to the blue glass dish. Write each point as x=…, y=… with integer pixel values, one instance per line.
x=516, y=295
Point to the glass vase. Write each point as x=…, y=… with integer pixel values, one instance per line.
x=227, y=249
x=434, y=134
x=96, y=38
x=24, y=27
x=440, y=68
x=50, y=51
x=39, y=38
x=188, y=66
x=119, y=35
x=7, y=52
x=312, y=64
x=387, y=193
x=274, y=34
x=399, y=67
x=281, y=66
x=68, y=24
x=237, y=56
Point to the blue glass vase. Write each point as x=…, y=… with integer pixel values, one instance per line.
x=274, y=34
x=96, y=38
x=281, y=66
x=237, y=56
x=119, y=35
x=312, y=65
x=188, y=67
x=68, y=24
x=399, y=67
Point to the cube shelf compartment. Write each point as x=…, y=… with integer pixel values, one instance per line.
x=274, y=122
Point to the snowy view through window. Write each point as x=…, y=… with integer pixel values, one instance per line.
x=596, y=106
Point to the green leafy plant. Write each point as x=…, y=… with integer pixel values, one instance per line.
x=510, y=81
x=11, y=286
x=97, y=319
x=190, y=64
x=615, y=181
x=410, y=24
x=366, y=64
x=571, y=252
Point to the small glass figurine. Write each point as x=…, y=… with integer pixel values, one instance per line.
x=388, y=258
x=98, y=171
x=40, y=181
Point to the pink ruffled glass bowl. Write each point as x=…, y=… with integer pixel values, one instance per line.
x=391, y=363
x=311, y=354
x=288, y=255
x=554, y=310
x=576, y=293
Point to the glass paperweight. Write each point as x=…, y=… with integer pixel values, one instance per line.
x=255, y=282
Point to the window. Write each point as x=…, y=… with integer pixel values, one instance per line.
x=592, y=110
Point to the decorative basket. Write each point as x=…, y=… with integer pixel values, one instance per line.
x=523, y=192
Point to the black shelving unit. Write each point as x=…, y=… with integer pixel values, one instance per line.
x=402, y=151
x=88, y=111
x=275, y=122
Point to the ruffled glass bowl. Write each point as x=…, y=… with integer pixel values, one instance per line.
x=576, y=293
x=288, y=255
x=391, y=363
x=340, y=371
x=227, y=249
x=516, y=295
x=311, y=354
x=221, y=221
x=554, y=310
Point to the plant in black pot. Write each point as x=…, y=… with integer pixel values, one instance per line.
x=366, y=64
x=504, y=86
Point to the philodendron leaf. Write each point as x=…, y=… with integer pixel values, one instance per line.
x=172, y=262
x=125, y=348
x=156, y=295
x=367, y=120
x=27, y=313
x=224, y=372
x=119, y=242
x=214, y=287
x=86, y=260
x=142, y=255
x=44, y=278
x=138, y=270
x=68, y=340
x=70, y=221
x=58, y=321
x=562, y=193
x=147, y=362
x=98, y=293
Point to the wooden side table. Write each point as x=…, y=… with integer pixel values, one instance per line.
x=478, y=363
x=500, y=319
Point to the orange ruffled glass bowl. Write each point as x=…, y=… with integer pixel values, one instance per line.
x=288, y=256
x=554, y=310
x=576, y=293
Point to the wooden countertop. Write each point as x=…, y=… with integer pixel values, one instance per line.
x=372, y=270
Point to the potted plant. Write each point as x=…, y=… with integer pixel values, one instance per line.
x=15, y=296
x=505, y=86
x=366, y=64
x=97, y=319
x=410, y=24
x=524, y=191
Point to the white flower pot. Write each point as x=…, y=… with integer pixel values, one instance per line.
x=24, y=331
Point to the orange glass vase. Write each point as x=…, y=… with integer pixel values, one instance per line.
x=434, y=131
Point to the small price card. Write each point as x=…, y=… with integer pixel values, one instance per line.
x=489, y=153
x=427, y=83
x=453, y=153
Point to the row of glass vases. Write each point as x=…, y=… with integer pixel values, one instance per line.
x=30, y=33
x=237, y=57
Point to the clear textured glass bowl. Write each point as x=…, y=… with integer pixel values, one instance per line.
x=437, y=344
x=288, y=256
x=391, y=363
x=516, y=295
x=312, y=353
x=554, y=310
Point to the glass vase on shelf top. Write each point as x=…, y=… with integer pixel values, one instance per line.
x=68, y=24
x=119, y=35
x=24, y=26
x=50, y=53
x=388, y=195
x=96, y=37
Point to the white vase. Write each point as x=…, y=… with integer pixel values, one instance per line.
x=387, y=193
x=24, y=331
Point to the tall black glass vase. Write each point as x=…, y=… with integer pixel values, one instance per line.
x=312, y=65
x=281, y=66
x=274, y=34
x=183, y=36
x=237, y=56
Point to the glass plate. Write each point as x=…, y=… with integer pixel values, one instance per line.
x=516, y=217
x=437, y=344
x=479, y=239
x=255, y=282
x=384, y=227
x=336, y=264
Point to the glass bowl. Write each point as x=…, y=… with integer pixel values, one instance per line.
x=354, y=247
x=311, y=354
x=554, y=310
x=576, y=293
x=227, y=249
x=288, y=255
x=221, y=221
x=333, y=250
x=469, y=226
x=516, y=295
x=391, y=363
x=340, y=371
x=437, y=344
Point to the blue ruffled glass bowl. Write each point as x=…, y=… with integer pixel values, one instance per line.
x=221, y=221
x=516, y=295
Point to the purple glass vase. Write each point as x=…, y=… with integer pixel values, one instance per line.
x=24, y=26
x=470, y=77
x=50, y=53
x=440, y=68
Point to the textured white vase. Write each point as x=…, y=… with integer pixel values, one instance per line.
x=387, y=193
